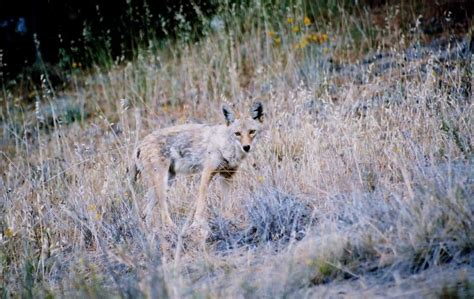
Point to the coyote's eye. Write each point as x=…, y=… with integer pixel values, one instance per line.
x=252, y=132
x=237, y=133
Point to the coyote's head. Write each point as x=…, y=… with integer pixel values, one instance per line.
x=244, y=129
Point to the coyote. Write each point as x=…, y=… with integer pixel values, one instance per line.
x=195, y=148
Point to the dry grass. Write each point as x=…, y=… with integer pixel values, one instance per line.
x=365, y=170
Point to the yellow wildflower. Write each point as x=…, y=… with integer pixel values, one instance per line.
x=307, y=21
x=318, y=38
x=290, y=20
x=323, y=37
x=303, y=43
x=295, y=28
x=313, y=37
x=271, y=33
x=277, y=41
x=74, y=65
x=9, y=232
x=260, y=178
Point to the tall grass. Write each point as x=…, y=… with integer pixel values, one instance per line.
x=365, y=165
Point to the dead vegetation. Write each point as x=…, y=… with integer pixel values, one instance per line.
x=363, y=178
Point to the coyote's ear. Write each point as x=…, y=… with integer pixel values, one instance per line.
x=257, y=111
x=228, y=114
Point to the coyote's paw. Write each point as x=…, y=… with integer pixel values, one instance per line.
x=199, y=229
x=167, y=222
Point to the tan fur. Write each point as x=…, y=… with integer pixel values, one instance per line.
x=195, y=148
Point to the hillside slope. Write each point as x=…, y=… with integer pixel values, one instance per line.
x=362, y=184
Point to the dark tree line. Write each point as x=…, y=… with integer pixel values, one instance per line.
x=58, y=29
x=67, y=31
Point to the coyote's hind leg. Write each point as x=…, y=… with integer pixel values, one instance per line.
x=157, y=171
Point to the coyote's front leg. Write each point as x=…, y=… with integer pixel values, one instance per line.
x=199, y=217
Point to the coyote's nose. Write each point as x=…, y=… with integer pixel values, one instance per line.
x=246, y=148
